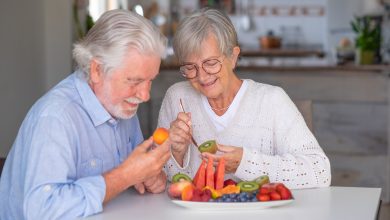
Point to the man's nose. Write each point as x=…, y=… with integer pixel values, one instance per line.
x=143, y=92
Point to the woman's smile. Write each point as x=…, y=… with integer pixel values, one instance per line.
x=209, y=84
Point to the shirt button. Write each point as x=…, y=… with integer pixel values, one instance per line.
x=47, y=188
x=113, y=122
x=93, y=163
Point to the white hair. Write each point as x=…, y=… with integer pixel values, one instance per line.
x=195, y=29
x=114, y=33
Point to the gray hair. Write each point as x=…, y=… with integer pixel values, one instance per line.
x=194, y=29
x=114, y=33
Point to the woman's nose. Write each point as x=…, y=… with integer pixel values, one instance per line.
x=202, y=75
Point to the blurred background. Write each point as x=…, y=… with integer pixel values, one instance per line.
x=331, y=55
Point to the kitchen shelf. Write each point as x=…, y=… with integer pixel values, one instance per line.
x=283, y=53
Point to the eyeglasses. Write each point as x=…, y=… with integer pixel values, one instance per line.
x=210, y=66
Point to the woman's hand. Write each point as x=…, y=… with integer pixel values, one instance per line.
x=231, y=154
x=180, y=133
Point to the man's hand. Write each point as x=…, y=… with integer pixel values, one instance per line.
x=155, y=184
x=141, y=165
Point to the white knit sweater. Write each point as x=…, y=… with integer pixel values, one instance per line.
x=274, y=136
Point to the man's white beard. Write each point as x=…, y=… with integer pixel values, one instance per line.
x=119, y=112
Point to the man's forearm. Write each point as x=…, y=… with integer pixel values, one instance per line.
x=116, y=182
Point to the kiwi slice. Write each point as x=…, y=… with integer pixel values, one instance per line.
x=248, y=186
x=179, y=177
x=261, y=180
x=208, y=146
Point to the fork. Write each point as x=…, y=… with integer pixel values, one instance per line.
x=192, y=138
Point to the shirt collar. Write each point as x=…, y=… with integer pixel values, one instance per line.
x=92, y=105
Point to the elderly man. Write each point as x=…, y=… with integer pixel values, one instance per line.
x=80, y=144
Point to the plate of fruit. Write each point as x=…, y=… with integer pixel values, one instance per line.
x=209, y=191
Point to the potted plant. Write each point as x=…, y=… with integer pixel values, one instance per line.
x=367, y=39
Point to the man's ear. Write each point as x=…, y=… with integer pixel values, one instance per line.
x=95, y=73
x=235, y=54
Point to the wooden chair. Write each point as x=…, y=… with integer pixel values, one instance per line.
x=306, y=109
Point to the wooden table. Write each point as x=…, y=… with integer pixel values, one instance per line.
x=331, y=203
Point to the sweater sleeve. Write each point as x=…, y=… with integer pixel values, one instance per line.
x=297, y=160
x=168, y=114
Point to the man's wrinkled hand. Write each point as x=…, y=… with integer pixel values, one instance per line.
x=156, y=184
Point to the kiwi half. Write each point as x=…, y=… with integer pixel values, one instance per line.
x=179, y=177
x=261, y=180
x=248, y=186
x=209, y=146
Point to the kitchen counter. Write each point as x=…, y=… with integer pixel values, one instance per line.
x=283, y=52
x=294, y=68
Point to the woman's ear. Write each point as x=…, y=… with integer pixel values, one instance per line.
x=235, y=54
x=95, y=74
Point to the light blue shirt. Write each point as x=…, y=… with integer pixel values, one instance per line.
x=66, y=142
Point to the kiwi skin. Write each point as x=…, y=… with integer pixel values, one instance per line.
x=261, y=180
x=179, y=177
x=209, y=146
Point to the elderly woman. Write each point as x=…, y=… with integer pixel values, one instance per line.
x=258, y=129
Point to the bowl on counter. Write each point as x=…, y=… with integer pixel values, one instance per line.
x=270, y=41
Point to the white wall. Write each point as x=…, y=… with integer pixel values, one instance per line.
x=58, y=40
x=35, y=53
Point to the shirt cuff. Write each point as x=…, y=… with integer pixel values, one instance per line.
x=94, y=188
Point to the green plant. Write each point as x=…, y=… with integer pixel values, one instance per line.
x=368, y=34
x=81, y=29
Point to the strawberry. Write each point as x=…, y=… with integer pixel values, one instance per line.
x=263, y=197
x=275, y=195
x=284, y=192
x=264, y=190
x=280, y=186
x=197, y=195
x=206, y=195
x=229, y=182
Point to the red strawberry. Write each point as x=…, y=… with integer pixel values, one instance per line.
x=207, y=192
x=271, y=185
x=275, y=196
x=229, y=182
x=197, y=195
x=284, y=192
x=206, y=195
x=196, y=198
x=280, y=186
x=264, y=190
x=263, y=197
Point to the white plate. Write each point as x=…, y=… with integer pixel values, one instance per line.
x=230, y=205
